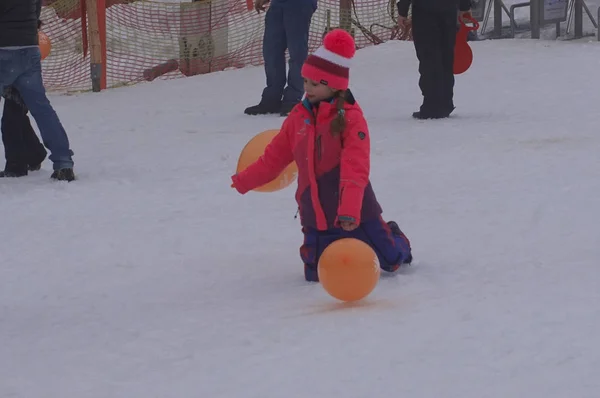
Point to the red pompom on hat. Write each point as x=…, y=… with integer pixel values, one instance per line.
x=340, y=42
x=330, y=63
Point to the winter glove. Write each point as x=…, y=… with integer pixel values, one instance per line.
x=347, y=223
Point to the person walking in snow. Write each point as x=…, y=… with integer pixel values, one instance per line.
x=20, y=66
x=22, y=148
x=287, y=24
x=434, y=37
x=328, y=138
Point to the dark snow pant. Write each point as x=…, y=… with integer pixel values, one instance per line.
x=22, y=147
x=434, y=36
x=286, y=27
x=391, y=250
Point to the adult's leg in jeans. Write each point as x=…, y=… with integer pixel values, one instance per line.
x=297, y=16
x=31, y=88
x=448, y=41
x=10, y=66
x=274, y=46
x=12, y=125
x=426, y=38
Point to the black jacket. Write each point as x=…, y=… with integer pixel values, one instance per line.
x=433, y=5
x=19, y=22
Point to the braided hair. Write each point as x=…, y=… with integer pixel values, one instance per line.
x=339, y=123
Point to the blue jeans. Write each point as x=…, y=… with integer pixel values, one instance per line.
x=391, y=250
x=22, y=69
x=286, y=27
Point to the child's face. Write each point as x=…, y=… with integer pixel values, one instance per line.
x=316, y=91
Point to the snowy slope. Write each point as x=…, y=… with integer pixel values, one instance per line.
x=150, y=277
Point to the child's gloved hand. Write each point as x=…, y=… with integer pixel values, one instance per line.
x=347, y=223
x=237, y=185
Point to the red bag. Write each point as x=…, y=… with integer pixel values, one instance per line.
x=463, y=55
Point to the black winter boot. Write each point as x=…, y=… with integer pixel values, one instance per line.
x=263, y=108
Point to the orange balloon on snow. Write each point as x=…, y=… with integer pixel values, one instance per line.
x=254, y=150
x=349, y=269
x=44, y=44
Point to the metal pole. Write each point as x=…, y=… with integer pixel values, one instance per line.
x=578, y=19
x=497, y=18
x=535, y=11
x=346, y=15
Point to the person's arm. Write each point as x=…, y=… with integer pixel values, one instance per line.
x=355, y=167
x=259, y=5
x=278, y=155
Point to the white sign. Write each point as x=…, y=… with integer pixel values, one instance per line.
x=555, y=10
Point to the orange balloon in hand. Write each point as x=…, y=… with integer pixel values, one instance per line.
x=254, y=150
x=44, y=44
x=349, y=269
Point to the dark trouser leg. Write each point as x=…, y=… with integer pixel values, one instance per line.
x=427, y=34
x=34, y=152
x=447, y=23
x=392, y=247
x=297, y=16
x=315, y=242
x=14, y=117
x=274, y=46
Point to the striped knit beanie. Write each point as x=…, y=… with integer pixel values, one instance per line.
x=330, y=63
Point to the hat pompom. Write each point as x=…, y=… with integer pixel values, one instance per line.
x=340, y=42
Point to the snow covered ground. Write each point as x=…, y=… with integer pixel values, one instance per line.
x=151, y=278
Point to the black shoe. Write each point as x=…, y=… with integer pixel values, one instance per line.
x=423, y=116
x=8, y=174
x=36, y=159
x=14, y=170
x=286, y=108
x=35, y=167
x=263, y=108
x=66, y=174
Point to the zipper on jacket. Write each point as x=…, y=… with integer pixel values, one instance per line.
x=318, y=148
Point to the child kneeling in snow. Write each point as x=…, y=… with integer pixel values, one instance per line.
x=327, y=136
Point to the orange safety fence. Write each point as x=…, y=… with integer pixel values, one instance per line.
x=145, y=40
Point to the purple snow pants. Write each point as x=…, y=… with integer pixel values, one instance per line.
x=392, y=249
